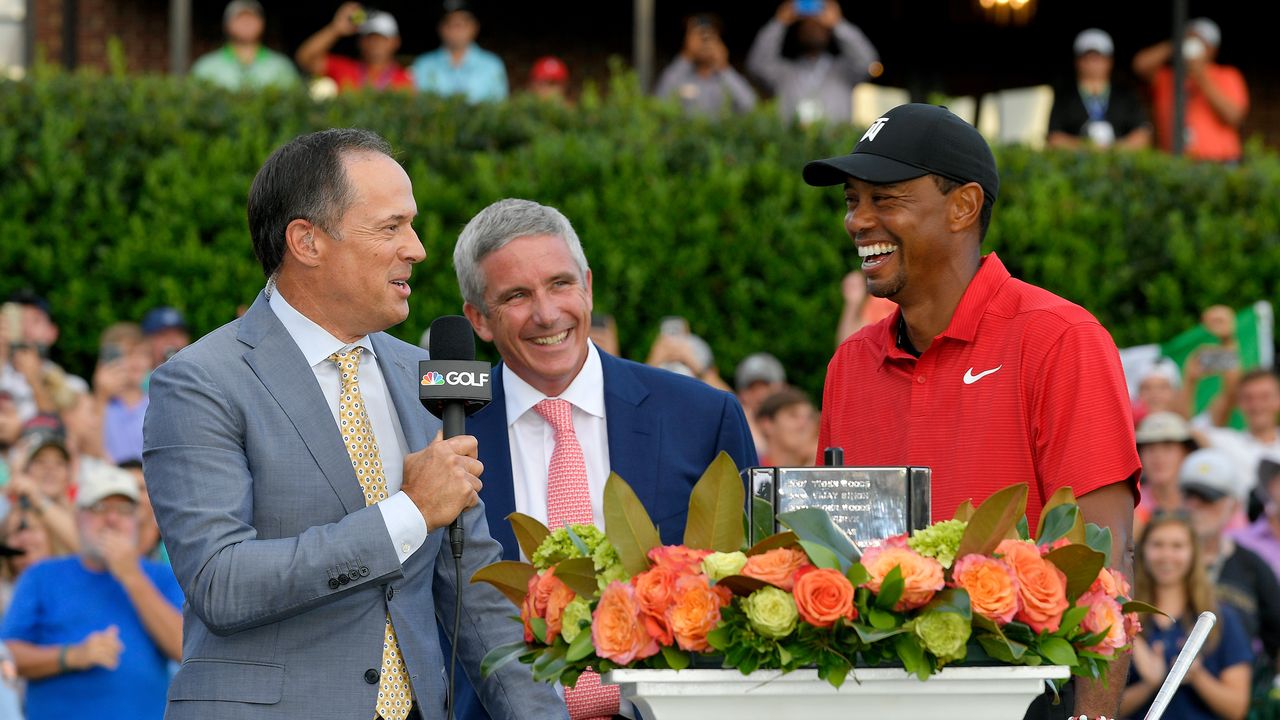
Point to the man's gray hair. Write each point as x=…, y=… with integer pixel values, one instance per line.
x=499, y=224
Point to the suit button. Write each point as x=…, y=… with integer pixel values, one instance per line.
x=334, y=584
x=391, y=592
x=344, y=579
x=371, y=676
x=364, y=571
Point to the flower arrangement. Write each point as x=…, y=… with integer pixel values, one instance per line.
x=979, y=588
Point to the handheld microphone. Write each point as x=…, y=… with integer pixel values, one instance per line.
x=453, y=385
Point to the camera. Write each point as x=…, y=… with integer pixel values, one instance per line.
x=808, y=8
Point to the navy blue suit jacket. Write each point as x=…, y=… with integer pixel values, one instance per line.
x=664, y=429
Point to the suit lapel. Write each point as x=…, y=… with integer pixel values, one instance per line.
x=401, y=383
x=489, y=426
x=633, y=432
x=283, y=371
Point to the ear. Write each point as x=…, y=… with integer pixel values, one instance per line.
x=300, y=242
x=964, y=207
x=590, y=299
x=478, y=321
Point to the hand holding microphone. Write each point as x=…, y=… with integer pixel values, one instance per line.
x=443, y=479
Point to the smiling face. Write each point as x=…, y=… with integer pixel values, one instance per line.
x=1168, y=553
x=538, y=311
x=362, y=265
x=901, y=233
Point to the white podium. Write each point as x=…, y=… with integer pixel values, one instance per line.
x=990, y=693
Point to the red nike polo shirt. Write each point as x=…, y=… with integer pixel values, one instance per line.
x=1022, y=386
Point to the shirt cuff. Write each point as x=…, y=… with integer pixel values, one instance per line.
x=405, y=524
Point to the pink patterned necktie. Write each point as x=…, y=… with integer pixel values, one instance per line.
x=569, y=502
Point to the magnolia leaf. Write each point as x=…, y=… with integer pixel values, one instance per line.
x=580, y=575
x=1010, y=650
x=549, y=665
x=1141, y=607
x=1061, y=496
x=1099, y=538
x=529, y=532
x=857, y=575
x=500, y=656
x=997, y=647
x=1057, y=651
x=1056, y=523
x=715, y=508
x=511, y=578
x=761, y=518
x=820, y=555
x=773, y=542
x=952, y=600
x=581, y=646
x=1080, y=564
x=628, y=526
x=993, y=521
x=815, y=525
x=741, y=585
x=964, y=512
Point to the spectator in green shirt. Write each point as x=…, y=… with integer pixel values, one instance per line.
x=243, y=62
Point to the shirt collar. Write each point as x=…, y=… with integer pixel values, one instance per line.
x=586, y=392
x=314, y=341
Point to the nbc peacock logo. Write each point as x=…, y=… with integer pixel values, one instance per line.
x=433, y=378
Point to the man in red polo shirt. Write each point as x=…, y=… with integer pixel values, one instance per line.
x=985, y=379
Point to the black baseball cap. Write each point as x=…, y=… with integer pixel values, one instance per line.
x=911, y=141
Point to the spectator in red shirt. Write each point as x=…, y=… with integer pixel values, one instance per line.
x=549, y=79
x=1217, y=97
x=377, y=67
x=986, y=379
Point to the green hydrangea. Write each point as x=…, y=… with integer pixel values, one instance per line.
x=939, y=541
x=559, y=546
x=608, y=565
x=943, y=633
x=772, y=612
x=574, y=613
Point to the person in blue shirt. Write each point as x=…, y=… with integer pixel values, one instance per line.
x=93, y=633
x=1170, y=574
x=459, y=66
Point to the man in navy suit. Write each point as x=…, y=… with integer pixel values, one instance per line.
x=527, y=289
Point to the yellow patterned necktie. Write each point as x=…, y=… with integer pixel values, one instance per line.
x=394, y=697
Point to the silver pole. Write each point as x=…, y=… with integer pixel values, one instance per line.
x=179, y=36
x=1181, y=664
x=642, y=42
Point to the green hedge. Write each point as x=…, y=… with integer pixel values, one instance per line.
x=117, y=194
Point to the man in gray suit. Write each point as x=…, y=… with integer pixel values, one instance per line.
x=301, y=504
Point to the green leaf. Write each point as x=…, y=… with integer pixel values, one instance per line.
x=1020, y=531
x=741, y=585
x=1071, y=620
x=715, y=508
x=994, y=520
x=820, y=555
x=814, y=525
x=628, y=526
x=869, y=635
x=500, y=656
x=529, y=532
x=1081, y=566
x=761, y=518
x=511, y=578
x=1056, y=522
x=581, y=646
x=857, y=574
x=578, y=542
x=1099, y=538
x=881, y=619
x=997, y=647
x=1057, y=650
x=890, y=590
x=1141, y=607
x=964, y=512
x=1061, y=496
x=539, y=627
x=676, y=658
x=580, y=575
x=549, y=665
x=784, y=655
x=773, y=542
x=952, y=600
x=912, y=656
x=1011, y=650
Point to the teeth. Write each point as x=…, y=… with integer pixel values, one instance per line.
x=553, y=340
x=877, y=249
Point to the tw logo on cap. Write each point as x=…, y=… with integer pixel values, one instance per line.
x=874, y=130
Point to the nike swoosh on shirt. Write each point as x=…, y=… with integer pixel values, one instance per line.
x=970, y=378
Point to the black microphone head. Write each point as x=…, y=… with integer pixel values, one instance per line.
x=451, y=339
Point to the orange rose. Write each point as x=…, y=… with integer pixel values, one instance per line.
x=541, y=587
x=679, y=558
x=776, y=567
x=991, y=584
x=921, y=576
x=1104, y=616
x=654, y=590
x=1042, y=587
x=695, y=612
x=560, y=596
x=1111, y=583
x=824, y=596
x=616, y=629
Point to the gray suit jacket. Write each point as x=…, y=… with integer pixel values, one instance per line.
x=260, y=509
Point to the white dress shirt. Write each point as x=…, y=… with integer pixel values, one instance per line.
x=533, y=440
x=404, y=521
